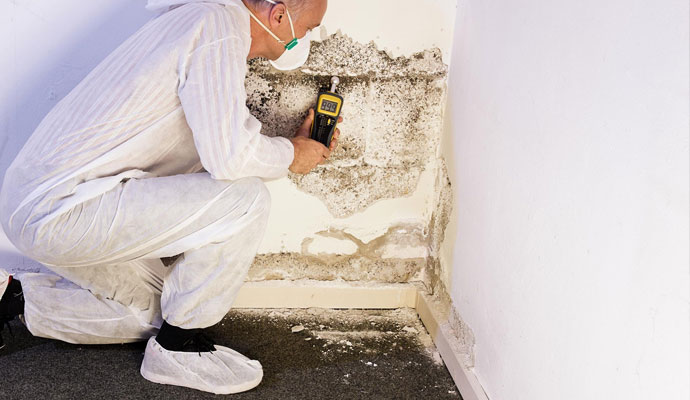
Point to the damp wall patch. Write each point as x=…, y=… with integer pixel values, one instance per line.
x=392, y=114
x=373, y=207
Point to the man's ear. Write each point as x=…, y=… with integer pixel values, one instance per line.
x=277, y=16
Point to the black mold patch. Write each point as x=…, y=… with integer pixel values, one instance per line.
x=392, y=118
x=294, y=266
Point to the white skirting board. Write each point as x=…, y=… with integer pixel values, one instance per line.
x=343, y=294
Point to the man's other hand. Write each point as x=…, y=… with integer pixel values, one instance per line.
x=308, y=152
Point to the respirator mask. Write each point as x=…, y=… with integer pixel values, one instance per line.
x=296, y=51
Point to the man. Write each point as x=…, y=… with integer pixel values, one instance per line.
x=111, y=182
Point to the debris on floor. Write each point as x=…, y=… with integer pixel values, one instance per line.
x=305, y=353
x=354, y=330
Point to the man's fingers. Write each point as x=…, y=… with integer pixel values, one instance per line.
x=334, y=143
x=309, y=119
x=324, y=156
x=306, y=125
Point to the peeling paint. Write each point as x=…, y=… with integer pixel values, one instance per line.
x=392, y=115
x=407, y=236
x=434, y=275
x=323, y=245
x=464, y=338
x=391, y=134
x=372, y=261
x=351, y=189
x=293, y=266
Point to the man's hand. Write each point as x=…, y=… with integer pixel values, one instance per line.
x=308, y=152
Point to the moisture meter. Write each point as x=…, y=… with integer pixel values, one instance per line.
x=328, y=106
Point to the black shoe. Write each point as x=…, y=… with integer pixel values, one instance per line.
x=11, y=305
x=174, y=338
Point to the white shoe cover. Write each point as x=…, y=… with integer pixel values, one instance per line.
x=223, y=371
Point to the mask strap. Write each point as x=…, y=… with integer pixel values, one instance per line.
x=292, y=43
x=292, y=27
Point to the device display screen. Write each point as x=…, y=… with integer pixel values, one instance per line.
x=329, y=106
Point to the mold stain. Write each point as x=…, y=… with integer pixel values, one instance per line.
x=393, y=114
x=370, y=262
x=392, y=118
x=409, y=235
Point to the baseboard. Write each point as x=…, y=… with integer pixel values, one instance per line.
x=441, y=334
x=324, y=294
x=343, y=294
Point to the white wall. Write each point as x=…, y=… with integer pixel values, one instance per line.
x=568, y=140
x=401, y=28
x=47, y=48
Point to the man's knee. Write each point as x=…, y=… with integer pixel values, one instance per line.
x=256, y=193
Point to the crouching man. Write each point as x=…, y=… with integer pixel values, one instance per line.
x=154, y=155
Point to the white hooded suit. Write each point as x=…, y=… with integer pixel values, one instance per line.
x=152, y=155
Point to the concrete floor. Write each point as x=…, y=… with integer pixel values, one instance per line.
x=339, y=354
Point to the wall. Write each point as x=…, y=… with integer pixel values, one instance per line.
x=376, y=212
x=567, y=145
x=366, y=214
x=47, y=49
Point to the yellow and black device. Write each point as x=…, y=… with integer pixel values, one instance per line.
x=328, y=106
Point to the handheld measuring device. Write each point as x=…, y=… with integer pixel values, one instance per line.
x=328, y=106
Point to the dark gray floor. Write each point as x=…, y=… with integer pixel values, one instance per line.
x=347, y=354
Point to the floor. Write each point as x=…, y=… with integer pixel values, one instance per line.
x=306, y=354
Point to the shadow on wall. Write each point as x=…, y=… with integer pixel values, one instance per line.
x=33, y=95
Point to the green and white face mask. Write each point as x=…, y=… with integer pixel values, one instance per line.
x=296, y=51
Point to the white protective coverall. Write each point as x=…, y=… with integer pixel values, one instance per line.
x=152, y=155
